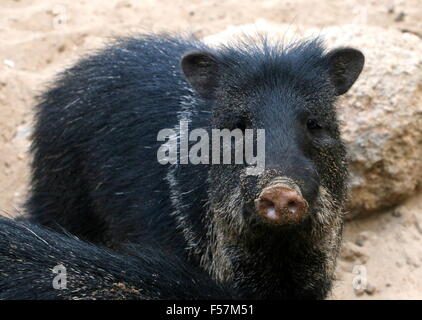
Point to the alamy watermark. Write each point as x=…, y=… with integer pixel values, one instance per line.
x=175, y=149
x=360, y=281
x=60, y=281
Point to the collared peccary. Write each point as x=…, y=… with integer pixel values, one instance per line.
x=274, y=235
x=36, y=263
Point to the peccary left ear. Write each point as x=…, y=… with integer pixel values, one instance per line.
x=345, y=65
x=201, y=70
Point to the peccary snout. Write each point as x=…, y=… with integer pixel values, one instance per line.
x=281, y=205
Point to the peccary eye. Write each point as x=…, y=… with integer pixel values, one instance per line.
x=313, y=124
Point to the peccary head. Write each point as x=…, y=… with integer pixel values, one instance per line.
x=295, y=202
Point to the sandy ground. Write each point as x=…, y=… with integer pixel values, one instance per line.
x=383, y=252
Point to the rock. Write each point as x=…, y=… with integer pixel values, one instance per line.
x=351, y=252
x=363, y=237
x=381, y=115
x=396, y=213
x=400, y=17
x=370, y=289
x=382, y=118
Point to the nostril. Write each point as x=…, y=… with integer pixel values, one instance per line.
x=266, y=207
x=293, y=206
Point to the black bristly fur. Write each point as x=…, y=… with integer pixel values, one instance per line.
x=28, y=255
x=96, y=174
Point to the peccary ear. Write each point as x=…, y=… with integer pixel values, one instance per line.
x=345, y=66
x=200, y=69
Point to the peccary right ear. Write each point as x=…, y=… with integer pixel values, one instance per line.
x=200, y=69
x=345, y=65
